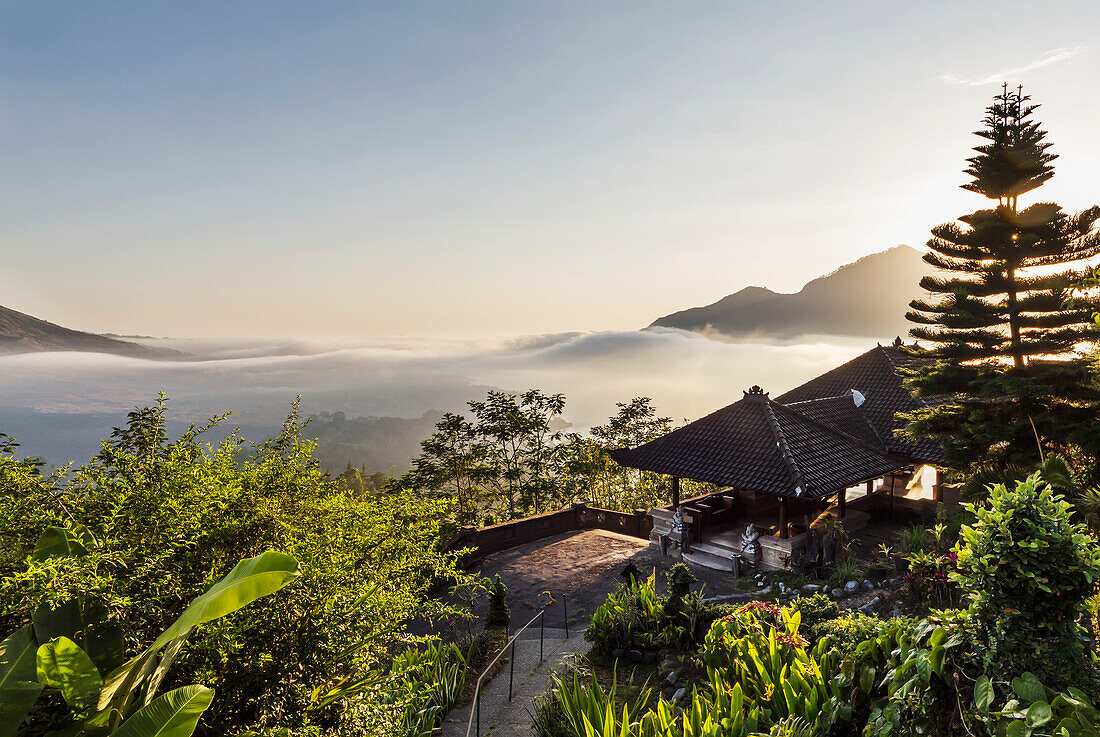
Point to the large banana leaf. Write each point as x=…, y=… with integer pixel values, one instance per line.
x=57, y=541
x=175, y=714
x=85, y=622
x=16, y=701
x=64, y=666
x=249, y=580
x=17, y=657
x=18, y=687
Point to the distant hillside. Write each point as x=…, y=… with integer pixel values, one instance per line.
x=21, y=333
x=865, y=298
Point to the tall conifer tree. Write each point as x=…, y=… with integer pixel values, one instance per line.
x=1005, y=324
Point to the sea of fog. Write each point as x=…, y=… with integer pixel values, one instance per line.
x=58, y=404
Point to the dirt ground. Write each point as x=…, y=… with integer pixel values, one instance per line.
x=582, y=568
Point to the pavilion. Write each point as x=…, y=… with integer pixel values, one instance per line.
x=825, y=449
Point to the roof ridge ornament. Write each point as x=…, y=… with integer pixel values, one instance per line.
x=755, y=391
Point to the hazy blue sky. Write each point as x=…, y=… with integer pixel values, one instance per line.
x=265, y=168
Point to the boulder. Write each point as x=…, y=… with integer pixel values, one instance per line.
x=680, y=694
x=635, y=655
x=617, y=653
x=851, y=587
x=650, y=658
x=811, y=588
x=670, y=679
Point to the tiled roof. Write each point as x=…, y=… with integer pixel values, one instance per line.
x=874, y=374
x=826, y=435
x=760, y=445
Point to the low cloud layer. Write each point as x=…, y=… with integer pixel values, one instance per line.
x=687, y=375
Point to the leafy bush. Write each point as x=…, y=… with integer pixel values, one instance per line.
x=171, y=517
x=74, y=650
x=845, y=632
x=914, y=539
x=843, y=571
x=498, y=615
x=680, y=579
x=1028, y=570
x=631, y=617
x=759, y=649
x=585, y=706
x=815, y=611
x=1036, y=711
x=425, y=683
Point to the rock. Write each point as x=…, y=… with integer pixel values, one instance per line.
x=826, y=589
x=837, y=593
x=680, y=694
x=811, y=588
x=668, y=691
x=868, y=585
x=851, y=587
x=671, y=679
x=635, y=655
x=617, y=653
x=670, y=663
x=895, y=614
x=650, y=658
x=759, y=584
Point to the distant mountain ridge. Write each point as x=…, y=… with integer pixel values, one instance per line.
x=20, y=333
x=866, y=298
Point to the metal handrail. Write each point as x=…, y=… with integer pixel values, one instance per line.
x=511, y=643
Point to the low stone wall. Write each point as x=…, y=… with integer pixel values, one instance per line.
x=494, y=538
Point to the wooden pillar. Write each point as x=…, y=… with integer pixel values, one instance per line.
x=784, y=529
x=842, y=503
x=937, y=486
x=675, y=493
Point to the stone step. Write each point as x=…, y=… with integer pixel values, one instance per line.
x=713, y=558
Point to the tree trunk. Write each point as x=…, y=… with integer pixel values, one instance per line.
x=1014, y=319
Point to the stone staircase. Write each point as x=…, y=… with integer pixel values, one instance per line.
x=711, y=554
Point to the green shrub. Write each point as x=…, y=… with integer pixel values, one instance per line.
x=171, y=517
x=1032, y=710
x=815, y=610
x=548, y=718
x=499, y=615
x=759, y=649
x=425, y=683
x=914, y=539
x=73, y=650
x=632, y=617
x=845, y=570
x=680, y=579
x=1028, y=570
x=846, y=632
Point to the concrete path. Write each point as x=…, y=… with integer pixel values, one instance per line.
x=501, y=718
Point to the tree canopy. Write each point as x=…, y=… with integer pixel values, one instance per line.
x=1005, y=322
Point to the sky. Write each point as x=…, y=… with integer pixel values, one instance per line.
x=264, y=169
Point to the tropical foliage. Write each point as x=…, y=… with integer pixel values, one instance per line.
x=71, y=648
x=171, y=517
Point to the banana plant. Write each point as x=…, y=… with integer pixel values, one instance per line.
x=72, y=649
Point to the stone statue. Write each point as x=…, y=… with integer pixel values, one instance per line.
x=677, y=527
x=678, y=519
x=750, y=544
